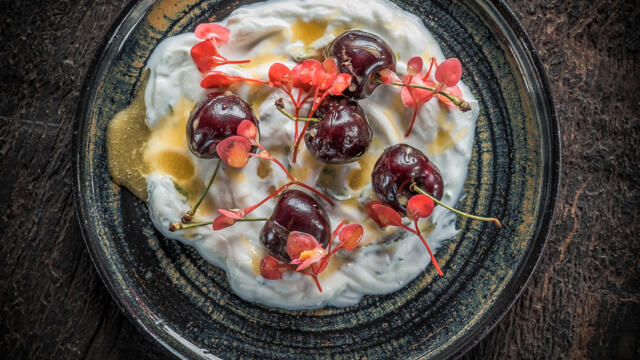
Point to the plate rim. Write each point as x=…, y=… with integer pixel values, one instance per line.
x=458, y=348
x=489, y=322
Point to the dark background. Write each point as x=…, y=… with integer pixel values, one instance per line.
x=582, y=302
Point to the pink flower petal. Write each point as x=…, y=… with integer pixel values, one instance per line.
x=388, y=77
x=304, y=71
x=382, y=214
x=234, y=151
x=350, y=236
x=309, y=257
x=342, y=82
x=305, y=264
x=386, y=215
x=270, y=268
x=206, y=55
x=449, y=72
x=419, y=206
x=223, y=222
x=407, y=98
x=329, y=66
x=229, y=213
x=455, y=91
x=298, y=242
x=208, y=31
x=322, y=79
x=280, y=76
x=217, y=79
x=414, y=66
x=247, y=129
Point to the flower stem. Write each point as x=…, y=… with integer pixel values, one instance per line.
x=254, y=80
x=314, y=106
x=416, y=188
x=297, y=144
x=189, y=214
x=245, y=211
x=237, y=61
x=460, y=103
x=283, y=169
x=433, y=258
x=301, y=184
x=315, y=278
x=413, y=120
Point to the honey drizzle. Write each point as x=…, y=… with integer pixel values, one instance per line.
x=134, y=151
x=127, y=136
x=445, y=137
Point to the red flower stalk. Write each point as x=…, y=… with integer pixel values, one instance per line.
x=235, y=151
x=385, y=215
x=308, y=256
x=417, y=88
x=217, y=79
x=312, y=79
x=207, y=56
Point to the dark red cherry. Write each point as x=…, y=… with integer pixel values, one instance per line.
x=396, y=168
x=343, y=133
x=362, y=55
x=294, y=211
x=215, y=119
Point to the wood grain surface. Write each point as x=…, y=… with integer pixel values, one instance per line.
x=582, y=302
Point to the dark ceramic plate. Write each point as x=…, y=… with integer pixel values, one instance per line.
x=186, y=305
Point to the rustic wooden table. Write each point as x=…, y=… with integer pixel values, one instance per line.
x=583, y=300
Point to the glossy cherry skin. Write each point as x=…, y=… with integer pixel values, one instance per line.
x=396, y=168
x=343, y=133
x=215, y=119
x=362, y=55
x=294, y=211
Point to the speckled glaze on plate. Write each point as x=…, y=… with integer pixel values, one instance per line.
x=186, y=305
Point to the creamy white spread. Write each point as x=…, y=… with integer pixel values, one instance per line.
x=264, y=32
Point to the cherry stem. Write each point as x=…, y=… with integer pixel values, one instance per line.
x=180, y=226
x=295, y=118
x=460, y=103
x=189, y=214
x=416, y=188
x=433, y=258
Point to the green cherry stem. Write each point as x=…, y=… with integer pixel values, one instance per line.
x=460, y=103
x=180, y=226
x=416, y=188
x=280, y=107
x=189, y=214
